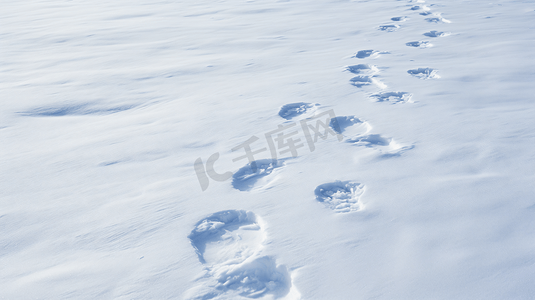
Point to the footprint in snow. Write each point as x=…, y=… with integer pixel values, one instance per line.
x=420, y=7
x=350, y=126
x=366, y=80
x=363, y=69
x=340, y=196
x=424, y=73
x=387, y=146
x=437, y=19
x=420, y=44
x=356, y=132
x=229, y=243
x=392, y=97
x=261, y=173
x=399, y=19
x=435, y=33
x=229, y=236
x=369, y=53
x=389, y=27
x=259, y=277
x=293, y=110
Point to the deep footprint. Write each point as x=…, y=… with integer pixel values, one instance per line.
x=435, y=33
x=419, y=44
x=387, y=146
x=257, y=278
x=340, y=196
x=392, y=97
x=369, y=53
x=420, y=7
x=424, y=73
x=389, y=27
x=246, y=177
x=399, y=19
x=229, y=243
x=437, y=19
x=350, y=126
x=293, y=110
x=363, y=69
x=361, y=81
x=229, y=236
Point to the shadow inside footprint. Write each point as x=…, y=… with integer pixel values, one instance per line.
x=362, y=68
x=256, y=278
x=437, y=20
x=360, y=81
x=292, y=110
x=246, y=177
x=435, y=33
x=366, y=53
x=424, y=73
x=419, y=44
x=229, y=243
x=372, y=140
x=387, y=146
x=392, y=97
x=422, y=7
x=389, y=28
x=231, y=235
x=366, y=80
x=340, y=196
x=349, y=126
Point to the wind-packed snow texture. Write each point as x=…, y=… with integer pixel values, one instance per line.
x=277, y=149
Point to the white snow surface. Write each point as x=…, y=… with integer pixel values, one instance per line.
x=427, y=192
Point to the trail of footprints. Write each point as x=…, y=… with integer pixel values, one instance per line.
x=368, y=75
x=229, y=243
x=261, y=174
